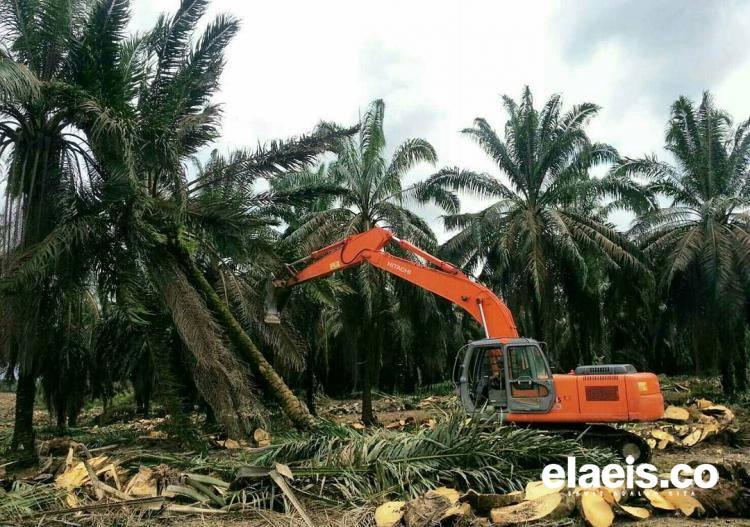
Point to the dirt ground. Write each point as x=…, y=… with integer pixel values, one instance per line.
x=395, y=412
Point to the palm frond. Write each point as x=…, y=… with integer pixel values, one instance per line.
x=384, y=464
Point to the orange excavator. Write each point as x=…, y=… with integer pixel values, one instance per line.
x=503, y=375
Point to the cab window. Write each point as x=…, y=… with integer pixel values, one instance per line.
x=527, y=362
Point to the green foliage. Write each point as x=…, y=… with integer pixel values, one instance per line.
x=381, y=464
x=109, y=220
x=544, y=241
x=383, y=325
x=698, y=244
x=24, y=499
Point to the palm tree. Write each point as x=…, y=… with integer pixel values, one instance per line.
x=370, y=193
x=139, y=219
x=41, y=48
x=543, y=239
x=700, y=243
x=165, y=215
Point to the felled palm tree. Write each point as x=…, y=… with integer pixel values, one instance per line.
x=700, y=242
x=539, y=238
x=370, y=193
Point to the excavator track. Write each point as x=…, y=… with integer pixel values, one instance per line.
x=623, y=442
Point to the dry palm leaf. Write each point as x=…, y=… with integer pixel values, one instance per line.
x=389, y=514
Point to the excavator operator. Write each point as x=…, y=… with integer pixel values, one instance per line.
x=495, y=358
x=492, y=387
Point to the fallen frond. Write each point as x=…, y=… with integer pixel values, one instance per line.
x=457, y=452
x=24, y=499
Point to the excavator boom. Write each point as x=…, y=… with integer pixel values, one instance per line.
x=434, y=275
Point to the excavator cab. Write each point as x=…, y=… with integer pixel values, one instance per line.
x=506, y=376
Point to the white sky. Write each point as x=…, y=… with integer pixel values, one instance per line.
x=439, y=64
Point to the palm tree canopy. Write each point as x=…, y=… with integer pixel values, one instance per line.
x=705, y=228
x=370, y=188
x=546, y=217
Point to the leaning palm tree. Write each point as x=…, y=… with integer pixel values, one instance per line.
x=700, y=242
x=370, y=192
x=543, y=237
x=164, y=217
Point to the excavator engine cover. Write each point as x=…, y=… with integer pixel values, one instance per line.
x=605, y=369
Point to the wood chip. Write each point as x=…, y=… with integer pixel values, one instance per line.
x=658, y=501
x=693, y=437
x=635, y=512
x=687, y=504
x=452, y=495
x=676, y=413
x=537, y=489
x=551, y=506
x=596, y=511
x=261, y=437
x=389, y=514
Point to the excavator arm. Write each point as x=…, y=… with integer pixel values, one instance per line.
x=435, y=275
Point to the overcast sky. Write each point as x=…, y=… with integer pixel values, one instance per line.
x=438, y=65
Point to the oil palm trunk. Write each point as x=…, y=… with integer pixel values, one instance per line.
x=23, y=431
x=290, y=404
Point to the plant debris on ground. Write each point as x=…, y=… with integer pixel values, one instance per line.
x=426, y=465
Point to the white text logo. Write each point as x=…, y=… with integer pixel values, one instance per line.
x=643, y=476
